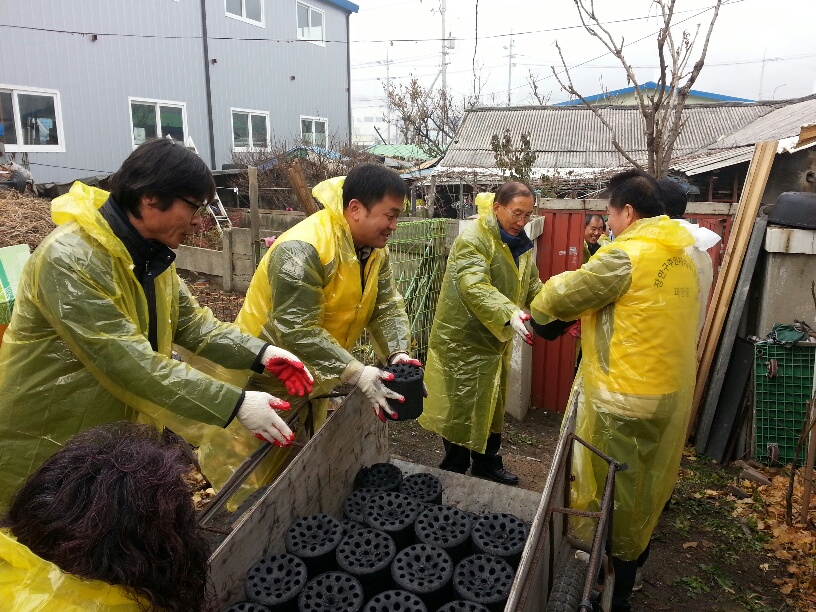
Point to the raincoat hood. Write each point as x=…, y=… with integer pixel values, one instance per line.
x=484, y=204
x=668, y=232
x=29, y=583
x=81, y=205
x=330, y=194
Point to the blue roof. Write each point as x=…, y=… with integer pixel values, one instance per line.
x=345, y=4
x=651, y=85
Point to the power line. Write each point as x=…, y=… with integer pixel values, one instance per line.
x=296, y=40
x=629, y=44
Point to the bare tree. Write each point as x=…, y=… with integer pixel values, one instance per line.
x=662, y=110
x=516, y=160
x=532, y=81
x=425, y=118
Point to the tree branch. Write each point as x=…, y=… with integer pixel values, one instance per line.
x=570, y=89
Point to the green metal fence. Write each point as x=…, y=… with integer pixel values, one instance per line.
x=418, y=256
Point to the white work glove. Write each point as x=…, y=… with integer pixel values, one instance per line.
x=287, y=368
x=517, y=322
x=257, y=414
x=404, y=358
x=368, y=379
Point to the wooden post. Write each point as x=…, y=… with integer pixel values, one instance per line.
x=227, y=241
x=758, y=171
x=302, y=193
x=430, y=204
x=413, y=200
x=254, y=213
x=807, y=472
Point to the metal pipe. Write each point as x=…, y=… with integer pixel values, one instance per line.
x=207, y=84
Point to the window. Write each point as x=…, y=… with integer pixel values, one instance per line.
x=30, y=119
x=154, y=118
x=310, y=23
x=250, y=11
x=313, y=131
x=250, y=129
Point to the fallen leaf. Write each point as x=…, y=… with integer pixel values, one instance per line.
x=689, y=544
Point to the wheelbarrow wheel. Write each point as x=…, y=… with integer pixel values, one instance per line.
x=568, y=586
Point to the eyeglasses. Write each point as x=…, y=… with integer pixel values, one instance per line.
x=199, y=208
x=517, y=215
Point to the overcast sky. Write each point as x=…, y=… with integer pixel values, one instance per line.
x=784, y=31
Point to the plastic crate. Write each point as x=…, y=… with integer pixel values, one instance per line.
x=781, y=401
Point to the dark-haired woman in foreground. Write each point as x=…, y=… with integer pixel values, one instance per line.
x=107, y=524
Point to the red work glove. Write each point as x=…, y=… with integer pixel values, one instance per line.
x=287, y=368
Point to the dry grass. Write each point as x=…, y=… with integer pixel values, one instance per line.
x=24, y=219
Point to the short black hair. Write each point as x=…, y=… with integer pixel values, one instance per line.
x=638, y=189
x=512, y=189
x=589, y=219
x=164, y=169
x=673, y=197
x=370, y=183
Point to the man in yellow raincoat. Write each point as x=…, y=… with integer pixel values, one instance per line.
x=490, y=278
x=328, y=278
x=98, y=311
x=637, y=298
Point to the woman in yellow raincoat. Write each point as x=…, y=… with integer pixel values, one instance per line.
x=98, y=312
x=637, y=300
x=489, y=279
x=329, y=278
x=107, y=524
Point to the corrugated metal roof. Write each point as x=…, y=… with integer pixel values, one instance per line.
x=650, y=86
x=573, y=137
x=402, y=151
x=781, y=123
x=712, y=160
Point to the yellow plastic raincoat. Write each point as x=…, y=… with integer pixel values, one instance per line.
x=469, y=347
x=637, y=299
x=29, y=583
x=76, y=353
x=307, y=296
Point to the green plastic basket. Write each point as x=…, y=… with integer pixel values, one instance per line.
x=781, y=401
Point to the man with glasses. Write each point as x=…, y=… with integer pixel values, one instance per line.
x=329, y=278
x=98, y=312
x=490, y=278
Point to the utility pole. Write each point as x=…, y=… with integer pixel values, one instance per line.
x=444, y=72
x=387, y=63
x=762, y=73
x=444, y=47
x=509, y=67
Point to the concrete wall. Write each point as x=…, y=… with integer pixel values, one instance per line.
x=790, y=268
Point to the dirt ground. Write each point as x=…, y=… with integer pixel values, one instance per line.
x=702, y=558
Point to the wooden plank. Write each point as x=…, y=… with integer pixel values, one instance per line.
x=302, y=192
x=729, y=334
x=317, y=480
x=599, y=206
x=254, y=212
x=758, y=171
x=531, y=586
x=735, y=383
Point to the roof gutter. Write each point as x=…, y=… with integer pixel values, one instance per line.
x=348, y=75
